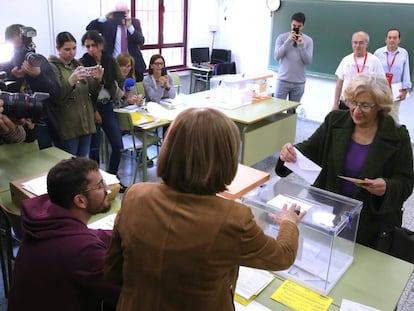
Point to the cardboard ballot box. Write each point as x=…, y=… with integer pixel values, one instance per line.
x=19, y=193
x=327, y=232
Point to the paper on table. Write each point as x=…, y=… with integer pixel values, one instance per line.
x=38, y=186
x=252, y=281
x=304, y=167
x=106, y=223
x=298, y=297
x=348, y=305
x=161, y=113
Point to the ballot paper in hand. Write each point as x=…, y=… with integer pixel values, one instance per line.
x=304, y=167
x=395, y=89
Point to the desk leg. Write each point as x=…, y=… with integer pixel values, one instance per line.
x=191, y=91
x=144, y=158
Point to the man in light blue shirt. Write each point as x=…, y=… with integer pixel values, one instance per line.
x=396, y=65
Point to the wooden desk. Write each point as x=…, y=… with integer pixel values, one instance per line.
x=374, y=279
x=264, y=127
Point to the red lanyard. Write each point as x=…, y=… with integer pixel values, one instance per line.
x=392, y=62
x=363, y=65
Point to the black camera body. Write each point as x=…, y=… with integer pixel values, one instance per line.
x=19, y=105
x=119, y=16
x=164, y=71
x=296, y=30
x=27, y=51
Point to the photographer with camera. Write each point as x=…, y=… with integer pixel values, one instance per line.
x=294, y=50
x=122, y=34
x=32, y=73
x=10, y=132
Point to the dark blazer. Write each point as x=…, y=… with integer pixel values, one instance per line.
x=108, y=30
x=390, y=157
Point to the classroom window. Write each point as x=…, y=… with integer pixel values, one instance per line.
x=164, y=25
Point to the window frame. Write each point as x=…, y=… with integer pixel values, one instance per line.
x=161, y=45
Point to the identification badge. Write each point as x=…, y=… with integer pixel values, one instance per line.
x=389, y=76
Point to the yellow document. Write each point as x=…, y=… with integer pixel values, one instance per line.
x=298, y=297
x=139, y=118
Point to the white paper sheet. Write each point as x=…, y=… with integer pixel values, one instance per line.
x=106, y=223
x=252, y=281
x=304, y=167
x=38, y=186
x=348, y=305
x=395, y=88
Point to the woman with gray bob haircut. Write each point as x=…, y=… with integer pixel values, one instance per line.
x=363, y=143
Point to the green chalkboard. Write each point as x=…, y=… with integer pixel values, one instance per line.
x=332, y=23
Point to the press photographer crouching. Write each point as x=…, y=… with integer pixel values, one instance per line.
x=10, y=132
x=31, y=73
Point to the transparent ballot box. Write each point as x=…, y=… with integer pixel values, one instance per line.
x=327, y=232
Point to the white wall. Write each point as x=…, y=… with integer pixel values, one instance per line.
x=244, y=26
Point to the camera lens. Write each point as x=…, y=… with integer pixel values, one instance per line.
x=19, y=105
x=35, y=59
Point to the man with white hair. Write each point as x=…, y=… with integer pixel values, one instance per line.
x=122, y=34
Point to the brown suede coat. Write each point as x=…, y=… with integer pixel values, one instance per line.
x=178, y=251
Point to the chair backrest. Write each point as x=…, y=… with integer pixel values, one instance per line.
x=6, y=249
x=220, y=56
x=176, y=80
x=140, y=88
x=130, y=141
x=225, y=68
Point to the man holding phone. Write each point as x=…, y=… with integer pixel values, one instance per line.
x=293, y=50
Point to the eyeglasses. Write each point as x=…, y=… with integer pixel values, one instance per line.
x=101, y=185
x=363, y=106
x=359, y=42
x=158, y=64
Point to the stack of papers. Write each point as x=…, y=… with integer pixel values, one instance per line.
x=106, y=223
x=250, y=283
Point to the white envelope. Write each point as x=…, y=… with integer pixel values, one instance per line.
x=304, y=167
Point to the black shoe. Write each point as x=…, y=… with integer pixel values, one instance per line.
x=150, y=163
x=123, y=188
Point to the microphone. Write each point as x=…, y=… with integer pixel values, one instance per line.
x=129, y=84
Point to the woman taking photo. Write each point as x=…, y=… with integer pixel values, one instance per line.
x=363, y=143
x=158, y=84
x=74, y=108
x=112, y=80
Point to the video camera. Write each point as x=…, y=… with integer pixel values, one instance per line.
x=27, y=51
x=20, y=105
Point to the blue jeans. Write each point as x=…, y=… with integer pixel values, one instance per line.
x=78, y=146
x=112, y=131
